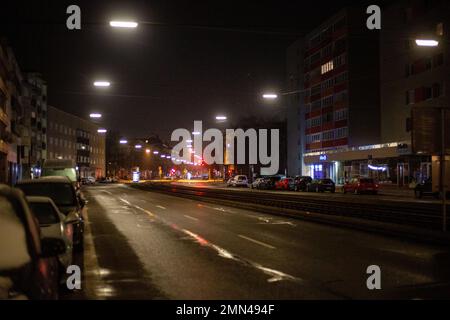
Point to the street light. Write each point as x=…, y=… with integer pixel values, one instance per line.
x=147, y=151
x=270, y=96
x=427, y=43
x=138, y=146
x=102, y=84
x=221, y=118
x=95, y=115
x=102, y=130
x=123, y=24
x=155, y=152
x=123, y=141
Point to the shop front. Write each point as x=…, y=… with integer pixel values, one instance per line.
x=386, y=163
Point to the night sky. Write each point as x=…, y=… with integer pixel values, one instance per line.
x=200, y=59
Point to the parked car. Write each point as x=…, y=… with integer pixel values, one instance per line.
x=52, y=223
x=285, y=184
x=425, y=189
x=361, y=185
x=260, y=184
x=238, y=181
x=272, y=181
x=301, y=183
x=69, y=201
x=62, y=168
x=28, y=263
x=88, y=181
x=321, y=185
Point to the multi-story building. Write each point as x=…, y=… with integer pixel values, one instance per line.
x=414, y=80
x=5, y=113
x=339, y=104
x=33, y=124
x=73, y=138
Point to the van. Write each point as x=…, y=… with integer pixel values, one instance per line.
x=61, y=168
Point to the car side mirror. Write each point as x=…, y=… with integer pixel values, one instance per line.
x=82, y=202
x=52, y=247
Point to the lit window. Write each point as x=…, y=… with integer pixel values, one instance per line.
x=327, y=67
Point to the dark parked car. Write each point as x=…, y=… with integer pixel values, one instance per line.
x=67, y=199
x=361, y=185
x=301, y=183
x=322, y=185
x=28, y=264
x=272, y=182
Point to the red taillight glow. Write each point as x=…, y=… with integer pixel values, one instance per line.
x=43, y=269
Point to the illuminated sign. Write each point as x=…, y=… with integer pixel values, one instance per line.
x=136, y=176
x=323, y=157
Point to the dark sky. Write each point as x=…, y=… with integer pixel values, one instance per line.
x=164, y=76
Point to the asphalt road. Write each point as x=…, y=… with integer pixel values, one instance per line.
x=145, y=245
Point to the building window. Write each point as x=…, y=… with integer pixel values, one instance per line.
x=327, y=67
x=328, y=101
x=340, y=114
x=341, y=78
x=339, y=61
x=341, y=133
x=328, y=135
x=327, y=51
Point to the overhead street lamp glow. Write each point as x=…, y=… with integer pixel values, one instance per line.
x=123, y=24
x=147, y=151
x=270, y=96
x=427, y=43
x=123, y=141
x=95, y=115
x=138, y=146
x=155, y=152
x=221, y=118
x=102, y=84
x=102, y=131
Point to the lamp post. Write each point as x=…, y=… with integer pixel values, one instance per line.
x=442, y=185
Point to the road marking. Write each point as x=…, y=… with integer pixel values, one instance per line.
x=161, y=207
x=108, y=192
x=192, y=218
x=256, y=241
x=275, y=275
x=125, y=201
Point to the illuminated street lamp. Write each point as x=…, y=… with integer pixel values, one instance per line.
x=123, y=141
x=270, y=96
x=102, y=84
x=221, y=118
x=155, y=152
x=138, y=146
x=427, y=43
x=123, y=24
x=95, y=115
x=102, y=130
x=147, y=151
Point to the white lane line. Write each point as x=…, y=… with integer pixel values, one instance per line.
x=189, y=217
x=161, y=207
x=275, y=275
x=256, y=241
x=107, y=192
x=125, y=201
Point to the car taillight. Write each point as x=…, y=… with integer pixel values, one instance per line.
x=43, y=268
x=69, y=231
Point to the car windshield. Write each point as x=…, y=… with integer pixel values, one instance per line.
x=61, y=193
x=369, y=181
x=63, y=172
x=44, y=212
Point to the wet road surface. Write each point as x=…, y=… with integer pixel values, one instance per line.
x=145, y=245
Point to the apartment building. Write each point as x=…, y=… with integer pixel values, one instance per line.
x=340, y=96
x=74, y=138
x=414, y=81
